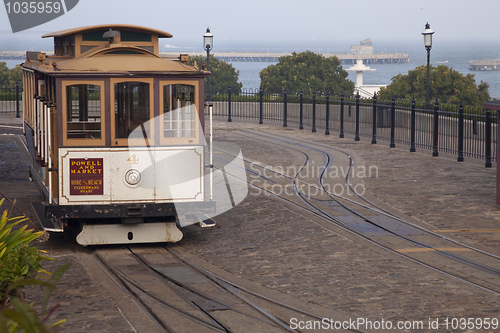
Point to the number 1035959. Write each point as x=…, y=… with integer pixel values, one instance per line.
x=33, y=7
x=471, y=323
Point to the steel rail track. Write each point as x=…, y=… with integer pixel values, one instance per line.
x=122, y=280
x=225, y=283
x=454, y=257
x=378, y=209
x=324, y=215
x=137, y=292
x=133, y=295
x=193, y=290
x=334, y=197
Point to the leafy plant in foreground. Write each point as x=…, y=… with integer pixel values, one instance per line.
x=20, y=266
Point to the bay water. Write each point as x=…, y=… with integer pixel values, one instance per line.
x=452, y=54
x=456, y=55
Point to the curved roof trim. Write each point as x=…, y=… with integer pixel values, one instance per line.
x=62, y=33
x=119, y=47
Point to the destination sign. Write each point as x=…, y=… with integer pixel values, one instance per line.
x=86, y=176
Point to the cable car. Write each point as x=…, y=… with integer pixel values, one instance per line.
x=116, y=136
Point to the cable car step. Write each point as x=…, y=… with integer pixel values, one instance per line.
x=48, y=224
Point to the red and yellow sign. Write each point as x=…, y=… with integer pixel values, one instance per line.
x=86, y=176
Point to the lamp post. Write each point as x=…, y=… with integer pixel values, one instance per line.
x=428, y=45
x=208, y=42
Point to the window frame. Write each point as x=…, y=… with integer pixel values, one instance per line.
x=168, y=141
x=125, y=142
x=83, y=141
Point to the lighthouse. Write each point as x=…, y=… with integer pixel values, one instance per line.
x=365, y=91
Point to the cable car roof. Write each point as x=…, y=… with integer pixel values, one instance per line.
x=85, y=50
x=63, y=33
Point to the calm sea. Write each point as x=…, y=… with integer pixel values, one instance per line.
x=457, y=56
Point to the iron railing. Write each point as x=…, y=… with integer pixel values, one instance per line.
x=463, y=131
x=460, y=130
x=10, y=99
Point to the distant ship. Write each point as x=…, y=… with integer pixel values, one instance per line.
x=441, y=61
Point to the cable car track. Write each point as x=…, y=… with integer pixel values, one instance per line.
x=189, y=307
x=320, y=212
x=378, y=208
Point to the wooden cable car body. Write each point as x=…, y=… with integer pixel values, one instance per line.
x=115, y=133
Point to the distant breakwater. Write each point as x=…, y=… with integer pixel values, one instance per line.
x=345, y=58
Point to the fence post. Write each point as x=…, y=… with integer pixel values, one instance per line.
x=261, y=95
x=393, y=122
x=435, y=140
x=374, y=137
x=301, y=125
x=229, y=104
x=460, y=157
x=17, y=101
x=341, y=115
x=285, y=111
x=412, y=134
x=356, y=136
x=314, y=112
x=487, y=139
x=327, y=130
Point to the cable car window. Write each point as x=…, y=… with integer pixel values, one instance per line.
x=134, y=36
x=83, y=111
x=179, y=111
x=94, y=36
x=131, y=109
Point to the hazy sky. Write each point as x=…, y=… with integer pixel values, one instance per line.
x=287, y=21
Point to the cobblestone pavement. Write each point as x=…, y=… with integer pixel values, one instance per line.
x=297, y=256
x=439, y=191
x=279, y=247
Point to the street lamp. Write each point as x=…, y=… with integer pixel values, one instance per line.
x=208, y=43
x=428, y=45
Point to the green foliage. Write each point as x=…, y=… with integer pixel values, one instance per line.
x=17, y=315
x=15, y=75
x=306, y=71
x=17, y=259
x=223, y=75
x=20, y=266
x=9, y=94
x=4, y=72
x=447, y=85
x=9, y=76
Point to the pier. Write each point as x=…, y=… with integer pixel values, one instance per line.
x=12, y=55
x=485, y=65
x=345, y=58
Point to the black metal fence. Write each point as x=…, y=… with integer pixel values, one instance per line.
x=464, y=131
x=460, y=130
x=11, y=100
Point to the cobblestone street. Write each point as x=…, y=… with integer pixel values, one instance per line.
x=281, y=248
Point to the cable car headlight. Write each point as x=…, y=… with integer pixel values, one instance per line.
x=132, y=177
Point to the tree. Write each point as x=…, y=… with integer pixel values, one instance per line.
x=9, y=76
x=306, y=71
x=447, y=85
x=223, y=75
x=4, y=73
x=15, y=75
